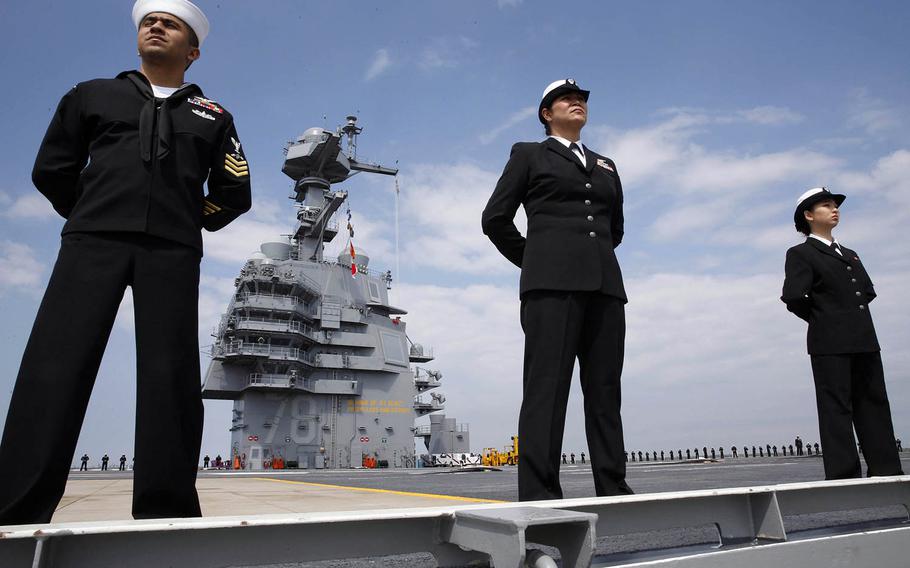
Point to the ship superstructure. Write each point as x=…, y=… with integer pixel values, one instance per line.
x=316, y=359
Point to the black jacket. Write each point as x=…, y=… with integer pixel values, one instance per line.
x=147, y=160
x=832, y=293
x=574, y=219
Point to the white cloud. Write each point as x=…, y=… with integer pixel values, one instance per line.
x=265, y=221
x=765, y=115
x=771, y=115
x=31, y=205
x=515, y=118
x=887, y=178
x=705, y=172
x=371, y=237
x=445, y=52
x=214, y=295
x=442, y=205
x=381, y=62
x=667, y=151
x=702, y=187
x=18, y=267
x=477, y=341
x=872, y=115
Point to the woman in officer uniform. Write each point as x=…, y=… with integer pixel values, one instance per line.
x=572, y=295
x=827, y=286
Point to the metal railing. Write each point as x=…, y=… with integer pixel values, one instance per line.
x=421, y=353
x=752, y=524
x=286, y=275
x=276, y=325
x=420, y=402
x=271, y=380
x=264, y=350
x=275, y=300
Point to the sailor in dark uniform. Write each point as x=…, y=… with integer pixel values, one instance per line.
x=572, y=295
x=125, y=161
x=827, y=286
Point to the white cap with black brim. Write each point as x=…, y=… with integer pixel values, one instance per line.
x=555, y=90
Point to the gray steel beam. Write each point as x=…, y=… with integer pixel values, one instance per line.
x=499, y=531
x=886, y=548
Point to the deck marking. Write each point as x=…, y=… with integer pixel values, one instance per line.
x=386, y=491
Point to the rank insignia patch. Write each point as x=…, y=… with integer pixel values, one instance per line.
x=606, y=165
x=209, y=208
x=236, y=167
x=205, y=103
x=203, y=114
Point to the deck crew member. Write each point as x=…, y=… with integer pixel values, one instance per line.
x=827, y=286
x=125, y=161
x=572, y=295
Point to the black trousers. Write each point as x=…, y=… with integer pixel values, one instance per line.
x=560, y=327
x=850, y=393
x=61, y=362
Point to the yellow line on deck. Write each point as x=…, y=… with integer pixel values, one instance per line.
x=386, y=491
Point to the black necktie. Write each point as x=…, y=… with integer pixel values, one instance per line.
x=573, y=147
x=836, y=248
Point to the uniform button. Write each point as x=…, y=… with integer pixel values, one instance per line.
x=588, y=186
x=849, y=268
x=853, y=280
x=592, y=234
x=859, y=294
x=862, y=307
x=587, y=201
x=590, y=218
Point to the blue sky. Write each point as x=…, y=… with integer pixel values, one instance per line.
x=718, y=116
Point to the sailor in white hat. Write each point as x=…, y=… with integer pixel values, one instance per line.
x=827, y=285
x=169, y=32
x=572, y=294
x=137, y=165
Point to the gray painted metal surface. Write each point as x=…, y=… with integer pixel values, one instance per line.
x=750, y=522
x=315, y=359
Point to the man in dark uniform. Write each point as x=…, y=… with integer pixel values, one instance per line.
x=827, y=286
x=84, y=466
x=104, y=460
x=572, y=295
x=123, y=462
x=125, y=161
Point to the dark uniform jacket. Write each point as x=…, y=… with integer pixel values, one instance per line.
x=574, y=219
x=116, y=159
x=832, y=293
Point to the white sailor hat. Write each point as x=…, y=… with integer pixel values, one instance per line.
x=556, y=89
x=813, y=196
x=183, y=9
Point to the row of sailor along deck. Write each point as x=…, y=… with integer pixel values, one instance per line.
x=751, y=524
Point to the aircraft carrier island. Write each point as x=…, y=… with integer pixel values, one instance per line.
x=316, y=359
